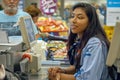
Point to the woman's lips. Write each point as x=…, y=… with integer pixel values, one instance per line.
x=73, y=27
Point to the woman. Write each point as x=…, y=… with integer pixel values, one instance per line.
x=34, y=12
x=87, y=47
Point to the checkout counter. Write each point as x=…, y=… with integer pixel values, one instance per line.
x=12, y=53
x=43, y=74
x=35, y=70
x=43, y=64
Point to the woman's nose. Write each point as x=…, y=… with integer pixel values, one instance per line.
x=74, y=19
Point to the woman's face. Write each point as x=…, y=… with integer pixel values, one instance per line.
x=79, y=21
x=35, y=19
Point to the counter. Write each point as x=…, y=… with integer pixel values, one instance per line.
x=43, y=74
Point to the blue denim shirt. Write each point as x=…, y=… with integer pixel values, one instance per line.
x=93, y=61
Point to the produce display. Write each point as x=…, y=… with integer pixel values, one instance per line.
x=51, y=25
x=58, y=50
x=60, y=54
x=56, y=44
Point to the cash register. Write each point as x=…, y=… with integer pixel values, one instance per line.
x=31, y=44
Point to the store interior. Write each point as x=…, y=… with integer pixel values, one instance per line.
x=36, y=56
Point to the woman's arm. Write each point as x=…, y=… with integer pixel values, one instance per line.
x=67, y=76
x=62, y=76
x=69, y=70
x=54, y=70
x=93, y=61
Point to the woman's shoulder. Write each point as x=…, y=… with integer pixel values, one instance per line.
x=93, y=43
x=94, y=40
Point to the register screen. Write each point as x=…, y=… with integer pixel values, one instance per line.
x=29, y=29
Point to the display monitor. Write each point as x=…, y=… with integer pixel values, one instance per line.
x=114, y=51
x=3, y=37
x=27, y=31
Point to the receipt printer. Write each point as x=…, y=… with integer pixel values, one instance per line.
x=31, y=66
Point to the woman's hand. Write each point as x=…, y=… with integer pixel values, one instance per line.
x=57, y=77
x=55, y=70
x=57, y=73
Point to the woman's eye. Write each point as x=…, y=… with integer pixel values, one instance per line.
x=80, y=17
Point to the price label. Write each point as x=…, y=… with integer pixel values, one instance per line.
x=48, y=6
